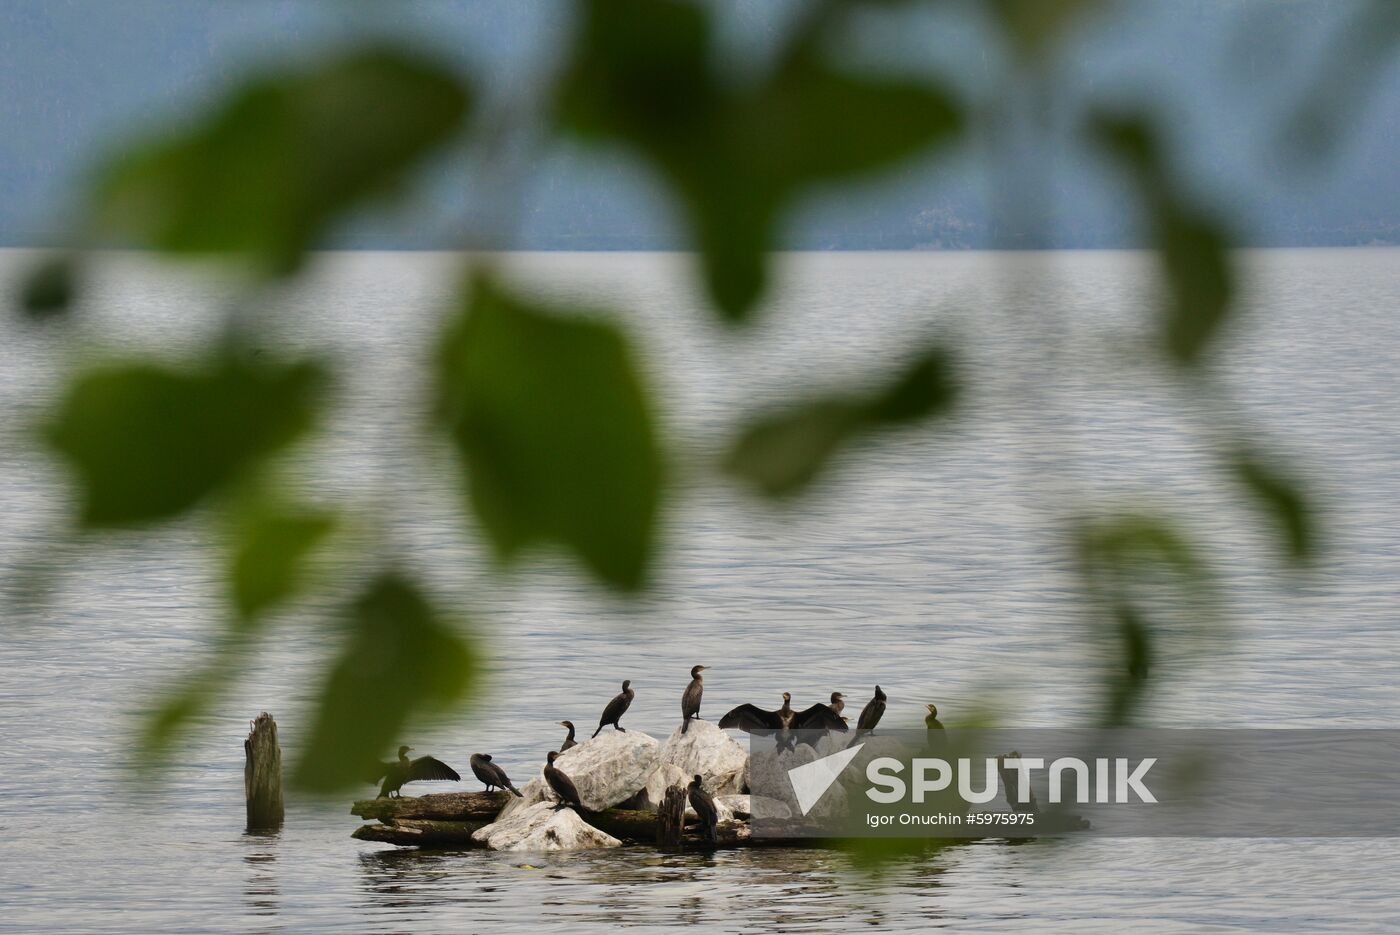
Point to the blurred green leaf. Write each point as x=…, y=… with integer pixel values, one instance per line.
x=1282, y=500
x=782, y=453
x=1126, y=562
x=1195, y=254
x=1033, y=26
x=148, y=440
x=1194, y=247
x=645, y=74
x=1121, y=545
x=265, y=171
x=550, y=416
x=400, y=659
x=176, y=711
x=1128, y=679
x=925, y=388
x=269, y=554
x=48, y=289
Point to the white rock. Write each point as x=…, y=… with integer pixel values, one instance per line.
x=533, y=792
x=735, y=807
x=611, y=768
x=871, y=747
x=662, y=778
x=745, y=807
x=543, y=827
x=769, y=779
x=710, y=752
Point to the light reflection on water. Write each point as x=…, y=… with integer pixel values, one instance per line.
x=928, y=564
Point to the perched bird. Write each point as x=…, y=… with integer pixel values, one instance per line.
x=490, y=773
x=837, y=705
x=704, y=805
x=617, y=708
x=1010, y=780
x=936, y=734
x=562, y=785
x=872, y=712
x=569, y=741
x=784, y=721
x=690, y=701
x=404, y=770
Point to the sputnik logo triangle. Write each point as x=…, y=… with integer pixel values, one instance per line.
x=811, y=780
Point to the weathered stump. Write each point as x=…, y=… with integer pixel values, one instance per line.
x=262, y=775
x=670, y=818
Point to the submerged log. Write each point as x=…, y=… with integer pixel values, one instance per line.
x=262, y=775
x=627, y=825
x=440, y=806
x=448, y=819
x=410, y=833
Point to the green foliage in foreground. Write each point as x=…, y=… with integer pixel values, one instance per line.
x=557, y=431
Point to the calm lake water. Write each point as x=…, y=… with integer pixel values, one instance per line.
x=930, y=562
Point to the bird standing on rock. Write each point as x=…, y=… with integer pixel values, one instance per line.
x=562, y=785
x=782, y=722
x=404, y=770
x=704, y=805
x=491, y=774
x=838, y=703
x=690, y=701
x=617, y=708
x=569, y=741
x=872, y=712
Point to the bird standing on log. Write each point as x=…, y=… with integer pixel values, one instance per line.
x=562, y=785
x=491, y=774
x=617, y=708
x=690, y=701
x=404, y=770
x=704, y=805
x=569, y=741
x=872, y=712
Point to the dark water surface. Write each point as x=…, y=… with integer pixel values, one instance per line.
x=929, y=563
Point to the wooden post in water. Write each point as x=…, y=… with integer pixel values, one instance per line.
x=670, y=818
x=262, y=775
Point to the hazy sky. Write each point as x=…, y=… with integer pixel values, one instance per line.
x=78, y=75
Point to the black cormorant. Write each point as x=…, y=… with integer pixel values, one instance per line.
x=404, y=770
x=838, y=703
x=784, y=721
x=872, y=712
x=1010, y=780
x=937, y=736
x=690, y=701
x=562, y=785
x=569, y=741
x=617, y=708
x=704, y=806
x=490, y=773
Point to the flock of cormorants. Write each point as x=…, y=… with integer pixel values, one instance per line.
x=749, y=718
